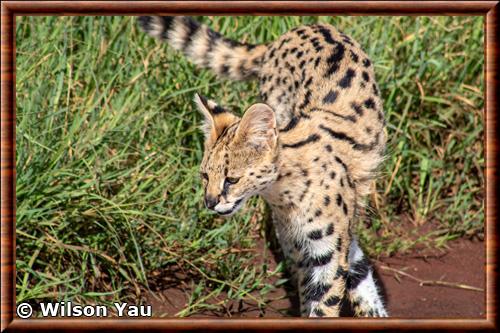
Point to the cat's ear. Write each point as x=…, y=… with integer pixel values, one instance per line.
x=217, y=119
x=258, y=127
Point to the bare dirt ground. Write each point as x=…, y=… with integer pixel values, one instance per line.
x=462, y=265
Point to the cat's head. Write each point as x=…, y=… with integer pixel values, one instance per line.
x=240, y=154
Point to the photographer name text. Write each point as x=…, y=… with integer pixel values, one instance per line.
x=68, y=309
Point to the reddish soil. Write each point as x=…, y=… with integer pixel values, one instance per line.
x=462, y=264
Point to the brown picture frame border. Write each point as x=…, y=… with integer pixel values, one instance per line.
x=11, y=9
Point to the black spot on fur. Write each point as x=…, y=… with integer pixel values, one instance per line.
x=341, y=273
x=344, y=137
x=346, y=81
x=316, y=62
x=332, y=301
x=327, y=35
x=326, y=200
x=318, y=312
x=310, y=139
x=354, y=57
x=329, y=229
x=329, y=148
x=315, y=234
x=318, y=213
x=358, y=272
x=308, y=82
x=315, y=292
x=366, y=62
x=370, y=103
x=365, y=76
x=331, y=97
x=339, y=244
x=307, y=100
x=192, y=28
x=322, y=260
x=339, y=200
x=291, y=124
x=332, y=175
x=357, y=108
x=334, y=59
x=338, y=160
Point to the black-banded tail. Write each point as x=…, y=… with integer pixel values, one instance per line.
x=205, y=47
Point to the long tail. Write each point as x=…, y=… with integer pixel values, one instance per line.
x=205, y=47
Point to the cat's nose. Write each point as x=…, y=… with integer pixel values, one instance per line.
x=211, y=202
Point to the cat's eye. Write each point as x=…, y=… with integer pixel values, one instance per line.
x=231, y=180
x=204, y=175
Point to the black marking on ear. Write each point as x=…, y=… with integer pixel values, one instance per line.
x=218, y=110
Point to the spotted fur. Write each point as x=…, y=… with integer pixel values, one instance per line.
x=311, y=151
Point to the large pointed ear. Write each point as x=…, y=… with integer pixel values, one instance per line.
x=217, y=119
x=258, y=127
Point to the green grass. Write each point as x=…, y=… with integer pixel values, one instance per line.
x=108, y=148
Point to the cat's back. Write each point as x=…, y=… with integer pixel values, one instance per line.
x=320, y=82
